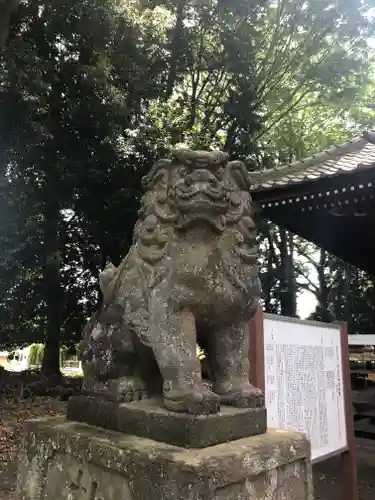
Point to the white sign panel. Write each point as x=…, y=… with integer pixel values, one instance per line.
x=304, y=382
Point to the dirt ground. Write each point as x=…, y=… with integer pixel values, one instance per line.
x=327, y=475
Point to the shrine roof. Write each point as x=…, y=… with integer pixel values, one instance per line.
x=346, y=158
x=327, y=199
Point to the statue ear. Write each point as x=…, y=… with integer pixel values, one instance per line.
x=159, y=172
x=239, y=175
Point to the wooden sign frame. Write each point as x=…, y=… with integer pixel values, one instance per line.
x=257, y=377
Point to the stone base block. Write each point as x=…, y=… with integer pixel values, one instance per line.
x=148, y=419
x=63, y=460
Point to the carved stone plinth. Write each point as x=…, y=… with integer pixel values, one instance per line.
x=63, y=460
x=149, y=419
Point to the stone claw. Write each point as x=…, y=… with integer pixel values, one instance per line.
x=195, y=401
x=246, y=396
x=129, y=389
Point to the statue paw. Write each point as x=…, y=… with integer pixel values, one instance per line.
x=245, y=396
x=128, y=389
x=199, y=401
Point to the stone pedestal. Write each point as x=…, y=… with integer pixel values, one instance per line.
x=64, y=460
x=149, y=419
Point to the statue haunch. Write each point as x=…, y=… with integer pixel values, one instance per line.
x=190, y=276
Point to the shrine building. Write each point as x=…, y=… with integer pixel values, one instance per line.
x=328, y=199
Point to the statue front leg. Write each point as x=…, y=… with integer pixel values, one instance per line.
x=227, y=351
x=174, y=345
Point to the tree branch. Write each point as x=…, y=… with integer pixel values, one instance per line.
x=282, y=115
x=309, y=286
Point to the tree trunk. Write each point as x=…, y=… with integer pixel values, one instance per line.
x=7, y=7
x=348, y=279
x=273, y=265
x=53, y=296
x=323, y=296
x=267, y=283
x=288, y=287
x=176, y=48
x=103, y=263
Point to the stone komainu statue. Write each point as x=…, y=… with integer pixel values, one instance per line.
x=190, y=276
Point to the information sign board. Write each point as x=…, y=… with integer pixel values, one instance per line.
x=303, y=369
x=304, y=382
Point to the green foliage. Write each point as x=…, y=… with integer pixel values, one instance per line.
x=36, y=354
x=91, y=93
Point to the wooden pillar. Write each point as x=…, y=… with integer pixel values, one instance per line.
x=256, y=350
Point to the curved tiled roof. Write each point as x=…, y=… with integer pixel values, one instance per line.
x=353, y=155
